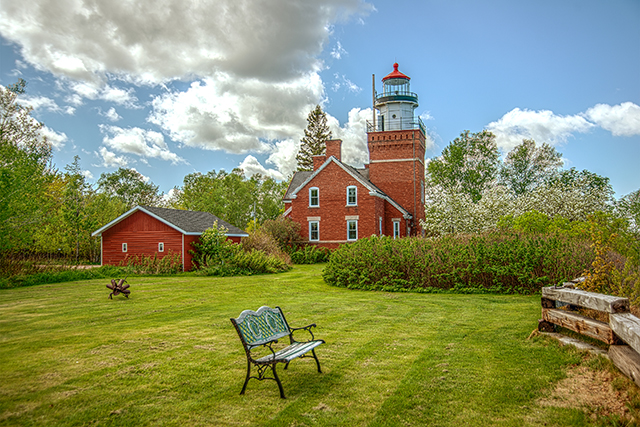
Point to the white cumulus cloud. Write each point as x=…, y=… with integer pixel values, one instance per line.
x=111, y=160
x=541, y=126
x=620, y=120
x=153, y=42
x=141, y=142
x=251, y=166
x=546, y=126
x=56, y=139
x=223, y=113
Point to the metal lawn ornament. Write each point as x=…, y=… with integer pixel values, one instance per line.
x=120, y=287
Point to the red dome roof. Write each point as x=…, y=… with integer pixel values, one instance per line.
x=396, y=74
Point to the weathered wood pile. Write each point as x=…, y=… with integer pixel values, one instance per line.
x=622, y=332
x=119, y=287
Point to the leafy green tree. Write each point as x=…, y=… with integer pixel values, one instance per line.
x=314, y=141
x=527, y=166
x=628, y=207
x=232, y=197
x=78, y=221
x=25, y=171
x=468, y=165
x=131, y=187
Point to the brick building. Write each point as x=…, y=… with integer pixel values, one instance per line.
x=336, y=203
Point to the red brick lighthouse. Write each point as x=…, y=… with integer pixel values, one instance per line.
x=336, y=203
x=396, y=142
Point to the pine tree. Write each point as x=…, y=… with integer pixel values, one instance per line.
x=316, y=135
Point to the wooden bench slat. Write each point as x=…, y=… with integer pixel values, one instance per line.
x=627, y=360
x=580, y=324
x=601, y=302
x=627, y=327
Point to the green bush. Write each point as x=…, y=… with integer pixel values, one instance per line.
x=259, y=240
x=285, y=231
x=59, y=275
x=310, y=254
x=502, y=262
x=246, y=263
x=153, y=264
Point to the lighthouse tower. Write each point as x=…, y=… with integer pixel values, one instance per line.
x=396, y=142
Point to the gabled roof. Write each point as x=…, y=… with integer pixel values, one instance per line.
x=298, y=182
x=186, y=222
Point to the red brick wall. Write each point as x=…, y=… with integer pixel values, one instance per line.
x=332, y=183
x=334, y=148
x=401, y=180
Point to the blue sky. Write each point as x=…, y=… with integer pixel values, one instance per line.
x=220, y=84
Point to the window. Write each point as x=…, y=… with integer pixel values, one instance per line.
x=352, y=230
x=314, y=197
x=380, y=225
x=352, y=195
x=396, y=229
x=314, y=231
x=160, y=247
x=124, y=247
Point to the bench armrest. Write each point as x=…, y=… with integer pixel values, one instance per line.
x=268, y=345
x=305, y=328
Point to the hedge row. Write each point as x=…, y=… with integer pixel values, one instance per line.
x=495, y=262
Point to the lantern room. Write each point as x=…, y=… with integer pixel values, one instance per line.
x=396, y=103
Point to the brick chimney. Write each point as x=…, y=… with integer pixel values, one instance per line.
x=334, y=148
x=318, y=160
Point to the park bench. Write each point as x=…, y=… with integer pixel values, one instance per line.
x=262, y=329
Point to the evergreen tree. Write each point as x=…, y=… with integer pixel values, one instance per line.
x=316, y=135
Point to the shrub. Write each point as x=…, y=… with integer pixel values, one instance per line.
x=213, y=249
x=285, y=231
x=153, y=264
x=310, y=254
x=59, y=275
x=505, y=262
x=246, y=263
x=259, y=240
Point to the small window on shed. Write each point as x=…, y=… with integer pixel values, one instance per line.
x=124, y=247
x=160, y=247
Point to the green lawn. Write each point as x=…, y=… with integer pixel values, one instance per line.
x=169, y=356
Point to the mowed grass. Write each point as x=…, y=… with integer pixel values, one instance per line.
x=169, y=355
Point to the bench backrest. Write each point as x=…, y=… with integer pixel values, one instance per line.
x=258, y=327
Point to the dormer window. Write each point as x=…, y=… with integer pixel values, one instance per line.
x=314, y=197
x=352, y=195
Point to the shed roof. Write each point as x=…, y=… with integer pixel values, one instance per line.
x=186, y=222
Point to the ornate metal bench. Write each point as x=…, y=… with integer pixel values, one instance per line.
x=263, y=328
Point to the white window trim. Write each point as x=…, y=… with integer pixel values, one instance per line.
x=318, y=197
x=356, y=195
x=124, y=247
x=317, y=223
x=160, y=247
x=354, y=221
x=396, y=229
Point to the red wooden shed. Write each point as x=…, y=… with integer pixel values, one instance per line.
x=146, y=230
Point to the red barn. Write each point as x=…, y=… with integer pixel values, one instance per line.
x=336, y=203
x=146, y=230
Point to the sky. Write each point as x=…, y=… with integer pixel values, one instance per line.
x=175, y=87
